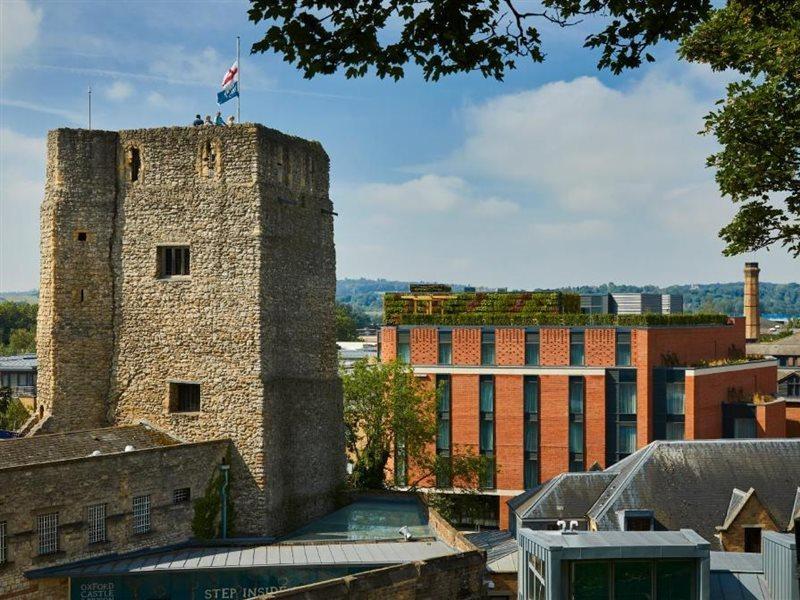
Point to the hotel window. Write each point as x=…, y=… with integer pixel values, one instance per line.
x=744, y=428
x=623, y=348
x=400, y=465
x=675, y=405
x=181, y=495
x=173, y=261
x=443, y=431
x=620, y=414
x=532, y=348
x=141, y=514
x=793, y=387
x=96, y=519
x=404, y=346
x=576, y=348
x=47, y=532
x=184, y=397
x=576, y=406
x=530, y=392
x=487, y=347
x=445, y=347
x=3, y=543
x=487, y=430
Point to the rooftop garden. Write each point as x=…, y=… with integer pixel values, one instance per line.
x=440, y=306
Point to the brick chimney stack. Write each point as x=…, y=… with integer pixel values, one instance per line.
x=751, y=313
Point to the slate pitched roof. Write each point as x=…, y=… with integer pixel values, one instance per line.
x=687, y=485
x=55, y=447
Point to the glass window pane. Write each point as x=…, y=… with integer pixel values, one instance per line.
x=487, y=436
x=532, y=348
x=674, y=579
x=443, y=435
x=443, y=385
x=675, y=431
x=744, y=428
x=487, y=348
x=576, y=348
x=626, y=398
x=590, y=580
x=531, y=474
x=576, y=438
x=487, y=395
x=576, y=395
x=675, y=398
x=445, y=354
x=627, y=439
x=632, y=580
x=531, y=395
x=531, y=437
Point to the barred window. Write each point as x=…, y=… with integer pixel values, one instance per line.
x=96, y=518
x=184, y=397
x=141, y=514
x=181, y=495
x=3, y=543
x=173, y=260
x=47, y=530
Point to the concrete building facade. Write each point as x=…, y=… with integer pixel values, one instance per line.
x=539, y=401
x=182, y=269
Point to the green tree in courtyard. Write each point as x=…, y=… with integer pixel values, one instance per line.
x=21, y=341
x=758, y=123
x=386, y=407
x=12, y=413
x=454, y=36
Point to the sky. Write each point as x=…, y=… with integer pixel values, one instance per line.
x=560, y=175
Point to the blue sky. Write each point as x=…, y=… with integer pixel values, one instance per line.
x=559, y=175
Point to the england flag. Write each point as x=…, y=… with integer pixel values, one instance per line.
x=230, y=84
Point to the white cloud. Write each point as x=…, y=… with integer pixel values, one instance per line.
x=495, y=208
x=19, y=30
x=118, y=90
x=424, y=194
x=22, y=161
x=589, y=147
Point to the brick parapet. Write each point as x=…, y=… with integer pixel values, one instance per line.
x=510, y=346
x=600, y=347
x=424, y=345
x=388, y=344
x=467, y=346
x=553, y=347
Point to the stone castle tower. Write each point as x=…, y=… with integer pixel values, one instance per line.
x=188, y=279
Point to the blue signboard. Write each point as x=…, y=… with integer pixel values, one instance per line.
x=210, y=584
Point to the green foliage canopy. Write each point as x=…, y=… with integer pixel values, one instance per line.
x=758, y=123
x=17, y=327
x=386, y=405
x=456, y=36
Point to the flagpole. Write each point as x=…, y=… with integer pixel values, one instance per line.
x=90, y=108
x=239, y=96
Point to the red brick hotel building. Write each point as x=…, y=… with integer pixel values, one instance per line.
x=543, y=399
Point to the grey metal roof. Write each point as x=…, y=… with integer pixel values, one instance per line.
x=19, y=362
x=501, y=549
x=741, y=562
x=738, y=576
x=566, y=496
x=788, y=346
x=688, y=484
x=275, y=555
x=587, y=545
x=79, y=444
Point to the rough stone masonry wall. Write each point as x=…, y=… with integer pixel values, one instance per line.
x=74, y=333
x=303, y=422
x=455, y=577
x=203, y=328
x=253, y=323
x=69, y=487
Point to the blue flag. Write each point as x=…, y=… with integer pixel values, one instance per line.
x=230, y=85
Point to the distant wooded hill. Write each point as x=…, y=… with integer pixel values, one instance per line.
x=776, y=298
x=364, y=295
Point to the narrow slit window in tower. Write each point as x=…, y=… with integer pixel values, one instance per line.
x=134, y=163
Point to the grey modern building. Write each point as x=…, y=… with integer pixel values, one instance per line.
x=631, y=303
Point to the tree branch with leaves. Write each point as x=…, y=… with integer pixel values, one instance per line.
x=386, y=407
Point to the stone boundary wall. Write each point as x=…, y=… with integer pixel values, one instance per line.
x=69, y=486
x=458, y=576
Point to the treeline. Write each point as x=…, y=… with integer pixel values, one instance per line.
x=17, y=327
x=365, y=295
